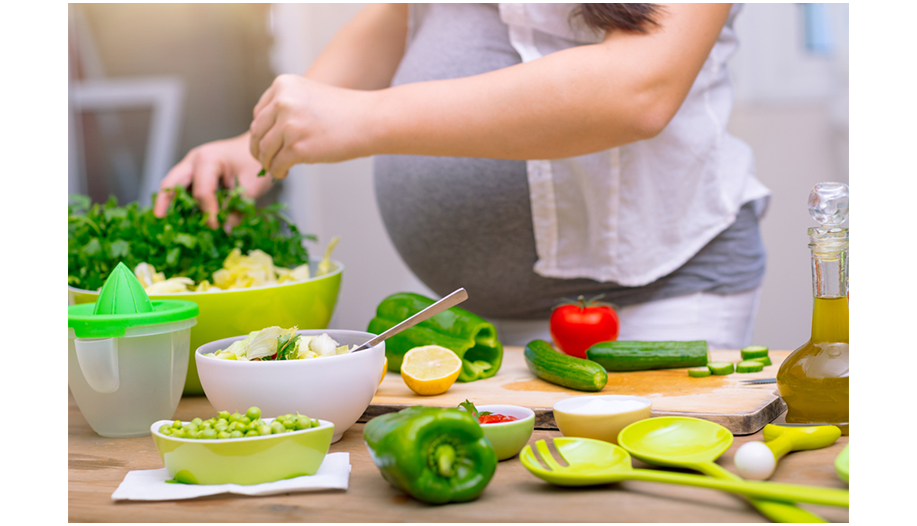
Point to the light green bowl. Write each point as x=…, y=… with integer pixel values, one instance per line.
x=224, y=313
x=249, y=460
x=508, y=438
x=842, y=464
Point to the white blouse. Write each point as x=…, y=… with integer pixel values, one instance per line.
x=635, y=213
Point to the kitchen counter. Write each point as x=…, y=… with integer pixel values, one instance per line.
x=97, y=465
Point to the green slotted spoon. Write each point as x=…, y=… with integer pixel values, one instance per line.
x=591, y=462
x=692, y=443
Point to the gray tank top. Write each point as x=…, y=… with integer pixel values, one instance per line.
x=467, y=222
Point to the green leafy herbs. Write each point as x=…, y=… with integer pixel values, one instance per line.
x=286, y=348
x=179, y=244
x=469, y=406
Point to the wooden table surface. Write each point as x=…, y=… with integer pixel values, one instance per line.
x=97, y=465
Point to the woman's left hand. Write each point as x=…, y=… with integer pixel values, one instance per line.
x=299, y=120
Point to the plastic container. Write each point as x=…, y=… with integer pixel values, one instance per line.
x=128, y=356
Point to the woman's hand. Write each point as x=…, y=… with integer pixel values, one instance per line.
x=205, y=167
x=299, y=120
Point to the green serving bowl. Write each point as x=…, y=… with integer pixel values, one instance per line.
x=247, y=460
x=508, y=438
x=306, y=304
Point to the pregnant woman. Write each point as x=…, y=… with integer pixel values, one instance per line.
x=531, y=153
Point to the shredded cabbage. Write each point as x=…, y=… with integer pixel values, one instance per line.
x=276, y=343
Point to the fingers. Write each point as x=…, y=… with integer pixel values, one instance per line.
x=261, y=125
x=272, y=143
x=285, y=159
x=265, y=99
x=207, y=173
x=179, y=175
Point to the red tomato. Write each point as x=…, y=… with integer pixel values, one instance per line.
x=495, y=418
x=577, y=326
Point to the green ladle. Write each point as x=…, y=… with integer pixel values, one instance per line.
x=692, y=443
x=591, y=462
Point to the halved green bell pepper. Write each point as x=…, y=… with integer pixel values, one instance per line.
x=466, y=334
x=435, y=454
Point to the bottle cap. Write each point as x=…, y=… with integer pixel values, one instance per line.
x=829, y=204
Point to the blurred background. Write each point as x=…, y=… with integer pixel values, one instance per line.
x=148, y=82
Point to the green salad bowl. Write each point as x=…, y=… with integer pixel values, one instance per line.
x=508, y=438
x=306, y=304
x=247, y=460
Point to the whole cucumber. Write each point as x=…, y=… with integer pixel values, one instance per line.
x=563, y=369
x=645, y=356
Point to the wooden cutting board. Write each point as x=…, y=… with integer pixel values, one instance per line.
x=741, y=408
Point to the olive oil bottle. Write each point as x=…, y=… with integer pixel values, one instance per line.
x=814, y=380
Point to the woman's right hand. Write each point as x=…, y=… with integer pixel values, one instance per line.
x=203, y=169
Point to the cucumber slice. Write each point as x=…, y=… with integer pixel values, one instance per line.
x=754, y=351
x=749, y=366
x=764, y=359
x=699, y=372
x=721, y=368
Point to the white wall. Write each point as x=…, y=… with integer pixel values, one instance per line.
x=791, y=108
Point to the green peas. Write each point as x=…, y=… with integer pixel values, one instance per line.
x=315, y=422
x=225, y=425
x=303, y=422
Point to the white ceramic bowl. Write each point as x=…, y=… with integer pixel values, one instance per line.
x=606, y=425
x=336, y=388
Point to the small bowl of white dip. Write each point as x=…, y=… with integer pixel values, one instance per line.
x=600, y=417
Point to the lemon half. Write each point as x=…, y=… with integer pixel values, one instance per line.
x=430, y=370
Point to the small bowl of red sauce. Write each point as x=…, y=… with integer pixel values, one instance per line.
x=508, y=427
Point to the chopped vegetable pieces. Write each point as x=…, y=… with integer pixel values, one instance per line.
x=721, y=368
x=749, y=366
x=753, y=351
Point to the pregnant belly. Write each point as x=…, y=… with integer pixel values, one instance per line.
x=460, y=222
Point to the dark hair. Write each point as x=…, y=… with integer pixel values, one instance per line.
x=627, y=17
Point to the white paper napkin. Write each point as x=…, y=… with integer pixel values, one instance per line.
x=334, y=473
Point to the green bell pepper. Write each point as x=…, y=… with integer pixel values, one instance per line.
x=468, y=335
x=435, y=454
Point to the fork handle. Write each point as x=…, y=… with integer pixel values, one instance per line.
x=773, y=510
x=763, y=490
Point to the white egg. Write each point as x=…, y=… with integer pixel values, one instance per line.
x=755, y=461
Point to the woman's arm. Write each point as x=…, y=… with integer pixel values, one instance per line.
x=365, y=53
x=572, y=102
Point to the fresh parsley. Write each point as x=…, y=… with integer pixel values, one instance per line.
x=469, y=406
x=180, y=244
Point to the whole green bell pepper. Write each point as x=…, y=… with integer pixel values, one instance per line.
x=435, y=454
x=466, y=334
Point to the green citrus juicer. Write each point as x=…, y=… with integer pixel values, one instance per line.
x=758, y=460
x=692, y=443
x=591, y=462
x=128, y=356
